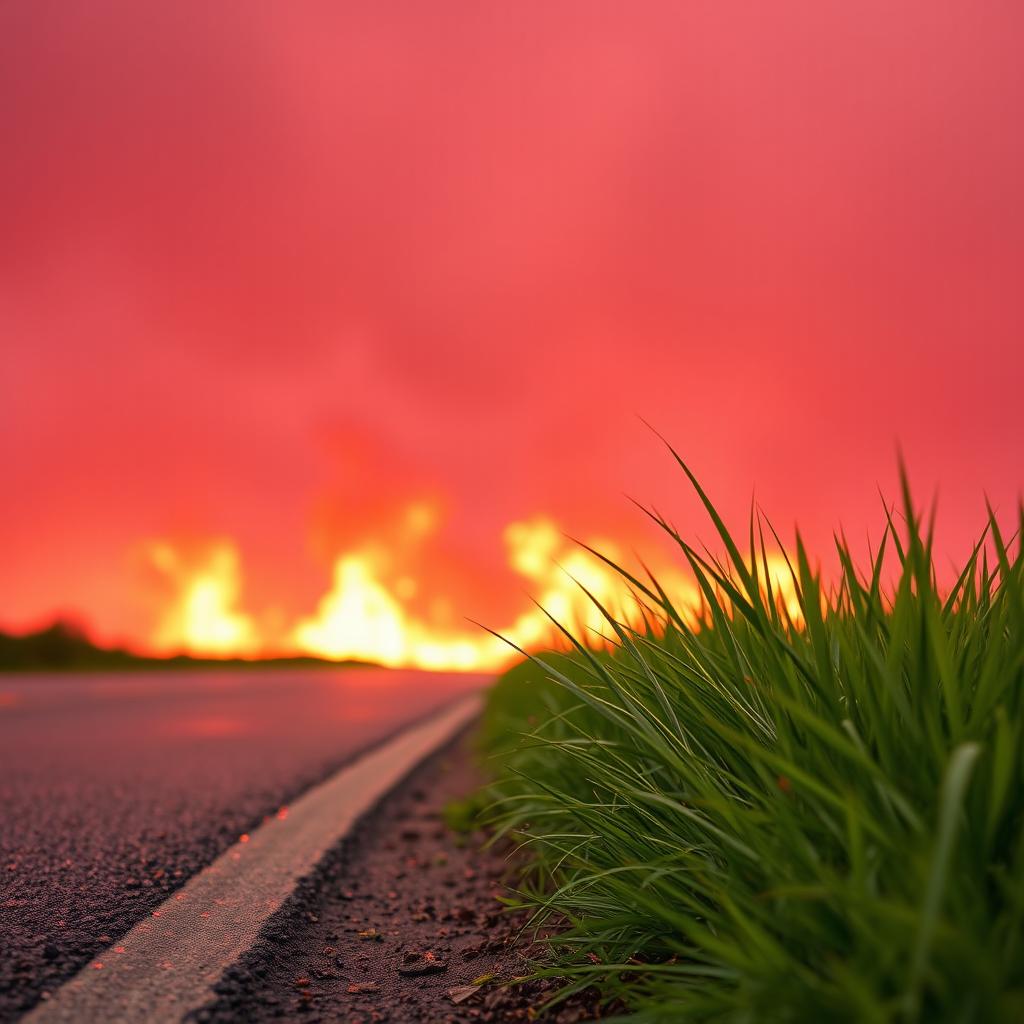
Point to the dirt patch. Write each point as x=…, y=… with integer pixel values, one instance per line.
x=401, y=923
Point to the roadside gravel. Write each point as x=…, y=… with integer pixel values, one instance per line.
x=401, y=923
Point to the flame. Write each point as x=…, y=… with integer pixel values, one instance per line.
x=361, y=618
x=203, y=619
x=368, y=613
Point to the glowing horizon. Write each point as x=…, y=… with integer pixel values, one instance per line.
x=367, y=613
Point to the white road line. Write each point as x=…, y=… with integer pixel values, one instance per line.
x=167, y=965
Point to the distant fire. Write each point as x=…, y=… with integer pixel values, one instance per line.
x=203, y=619
x=368, y=615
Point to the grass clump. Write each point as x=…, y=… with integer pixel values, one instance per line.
x=780, y=815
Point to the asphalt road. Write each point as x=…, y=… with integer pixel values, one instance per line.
x=115, y=789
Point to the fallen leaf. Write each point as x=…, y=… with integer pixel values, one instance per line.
x=463, y=992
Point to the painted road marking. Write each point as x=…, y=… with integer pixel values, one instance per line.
x=167, y=965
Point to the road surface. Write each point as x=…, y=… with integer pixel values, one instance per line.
x=115, y=789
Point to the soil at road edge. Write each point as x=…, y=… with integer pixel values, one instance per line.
x=400, y=923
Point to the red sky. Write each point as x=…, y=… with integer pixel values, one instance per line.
x=270, y=271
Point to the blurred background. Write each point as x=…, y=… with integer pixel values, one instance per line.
x=322, y=322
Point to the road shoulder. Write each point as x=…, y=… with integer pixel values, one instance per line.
x=400, y=923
